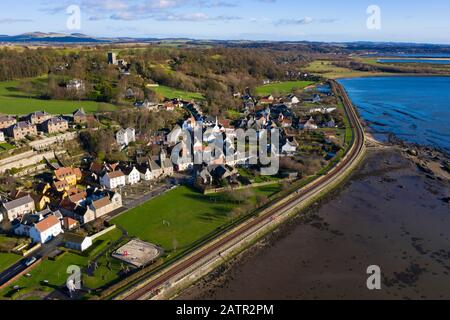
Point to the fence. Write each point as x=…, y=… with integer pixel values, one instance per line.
x=101, y=233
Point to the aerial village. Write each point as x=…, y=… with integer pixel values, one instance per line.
x=55, y=192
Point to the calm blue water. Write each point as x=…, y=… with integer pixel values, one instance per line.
x=414, y=61
x=421, y=55
x=415, y=109
x=412, y=55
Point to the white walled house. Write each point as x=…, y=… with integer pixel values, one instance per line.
x=289, y=148
x=17, y=208
x=113, y=180
x=99, y=205
x=132, y=175
x=146, y=174
x=126, y=136
x=2, y=137
x=45, y=230
x=77, y=242
x=293, y=99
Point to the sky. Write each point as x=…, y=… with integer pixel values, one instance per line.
x=278, y=20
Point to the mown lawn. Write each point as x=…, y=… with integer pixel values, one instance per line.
x=172, y=93
x=282, y=87
x=55, y=272
x=7, y=260
x=182, y=215
x=13, y=101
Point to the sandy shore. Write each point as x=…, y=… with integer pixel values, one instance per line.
x=390, y=213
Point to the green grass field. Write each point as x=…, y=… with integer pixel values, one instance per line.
x=172, y=93
x=6, y=147
x=282, y=87
x=330, y=71
x=7, y=260
x=182, y=214
x=56, y=271
x=13, y=101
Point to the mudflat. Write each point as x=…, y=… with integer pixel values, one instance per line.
x=389, y=213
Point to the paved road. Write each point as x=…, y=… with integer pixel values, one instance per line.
x=20, y=266
x=12, y=271
x=144, y=287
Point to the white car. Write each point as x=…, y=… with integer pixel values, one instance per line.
x=30, y=261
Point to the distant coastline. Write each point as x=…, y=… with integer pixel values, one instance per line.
x=403, y=108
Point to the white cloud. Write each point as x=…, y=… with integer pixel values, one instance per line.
x=143, y=9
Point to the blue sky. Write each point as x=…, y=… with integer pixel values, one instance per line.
x=324, y=20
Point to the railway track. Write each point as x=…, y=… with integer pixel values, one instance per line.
x=321, y=183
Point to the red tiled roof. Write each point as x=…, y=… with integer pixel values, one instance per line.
x=64, y=172
x=103, y=202
x=61, y=184
x=96, y=167
x=69, y=222
x=115, y=174
x=47, y=223
x=77, y=197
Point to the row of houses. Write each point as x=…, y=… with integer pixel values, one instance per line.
x=44, y=226
x=250, y=103
x=82, y=206
x=119, y=175
x=38, y=121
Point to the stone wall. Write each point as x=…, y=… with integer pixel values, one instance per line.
x=44, y=143
x=23, y=160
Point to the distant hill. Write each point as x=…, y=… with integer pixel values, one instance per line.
x=53, y=37
x=358, y=46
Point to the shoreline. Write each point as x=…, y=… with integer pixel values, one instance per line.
x=421, y=162
x=224, y=281
x=395, y=75
x=429, y=159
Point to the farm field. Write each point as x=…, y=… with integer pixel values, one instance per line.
x=172, y=93
x=182, y=215
x=282, y=87
x=328, y=70
x=13, y=101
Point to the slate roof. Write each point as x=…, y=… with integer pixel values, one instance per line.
x=18, y=202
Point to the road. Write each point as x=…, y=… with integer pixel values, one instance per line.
x=20, y=266
x=12, y=271
x=319, y=185
x=47, y=248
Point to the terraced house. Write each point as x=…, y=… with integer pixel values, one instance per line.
x=17, y=208
x=79, y=116
x=22, y=129
x=113, y=180
x=38, y=117
x=94, y=206
x=69, y=175
x=55, y=125
x=7, y=121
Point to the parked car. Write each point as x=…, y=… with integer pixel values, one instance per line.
x=30, y=261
